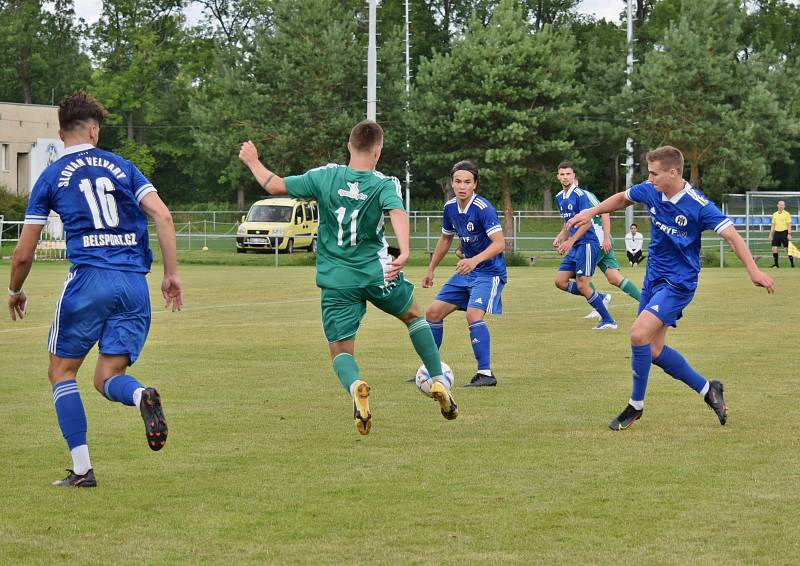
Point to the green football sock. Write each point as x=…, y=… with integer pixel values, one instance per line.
x=425, y=345
x=346, y=370
x=630, y=288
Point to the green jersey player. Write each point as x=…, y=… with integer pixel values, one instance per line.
x=353, y=263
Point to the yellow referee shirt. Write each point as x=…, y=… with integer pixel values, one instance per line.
x=781, y=221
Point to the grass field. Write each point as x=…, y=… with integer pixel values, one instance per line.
x=264, y=465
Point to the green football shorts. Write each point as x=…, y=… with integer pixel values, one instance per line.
x=607, y=260
x=343, y=309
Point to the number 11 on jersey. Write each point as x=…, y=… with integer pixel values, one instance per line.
x=340, y=213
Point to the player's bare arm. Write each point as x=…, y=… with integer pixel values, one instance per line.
x=611, y=204
x=269, y=181
x=171, y=286
x=567, y=244
x=21, y=264
x=441, y=249
x=497, y=246
x=758, y=277
x=399, y=220
x=606, y=243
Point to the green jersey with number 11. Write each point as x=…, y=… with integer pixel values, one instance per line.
x=351, y=248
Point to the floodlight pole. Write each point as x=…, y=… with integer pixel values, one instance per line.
x=629, y=141
x=372, y=63
x=408, y=99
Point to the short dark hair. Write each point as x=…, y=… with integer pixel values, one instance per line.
x=669, y=157
x=465, y=166
x=77, y=109
x=566, y=165
x=634, y=224
x=365, y=135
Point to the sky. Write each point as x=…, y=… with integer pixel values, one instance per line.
x=89, y=10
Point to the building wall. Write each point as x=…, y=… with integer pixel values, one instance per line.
x=20, y=126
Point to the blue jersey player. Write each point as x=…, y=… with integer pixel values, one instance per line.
x=581, y=246
x=678, y=215
x=477, y=284
x=103, y=201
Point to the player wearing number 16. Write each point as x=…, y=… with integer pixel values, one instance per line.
x=103, y=201
x=353, y=263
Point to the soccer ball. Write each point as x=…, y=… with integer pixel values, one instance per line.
x=424, y=380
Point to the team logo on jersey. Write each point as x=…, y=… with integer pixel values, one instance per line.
x=652, y=210
x=352, y=192
x=569, y=206
x=680, y=220
x=470, y=226
x=479, y=301
x=655, y=308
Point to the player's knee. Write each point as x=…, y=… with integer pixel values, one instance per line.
x=639, y=337
x=561, y=284
x=433, y=313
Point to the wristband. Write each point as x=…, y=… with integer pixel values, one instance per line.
x=14, y=293
x=267, y=181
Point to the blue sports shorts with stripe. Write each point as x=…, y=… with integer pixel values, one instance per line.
x=474, y=290
x=581, y=260
x=101, y=305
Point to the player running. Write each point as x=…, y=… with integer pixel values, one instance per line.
x=353, y=263
x=103, y=201
x=678, y=215
x=581, y=247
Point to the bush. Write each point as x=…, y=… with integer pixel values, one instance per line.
x=709, y=258
x=516, y=259
x=12, y=206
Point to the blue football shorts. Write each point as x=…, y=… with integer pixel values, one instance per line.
x=581, y=259
x=101, y=305
x=475, y=290
x=665, y=301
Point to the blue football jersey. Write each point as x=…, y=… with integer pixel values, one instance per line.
x=675, y=228
x=473, y=226
x=570, y=204
x=97, y=194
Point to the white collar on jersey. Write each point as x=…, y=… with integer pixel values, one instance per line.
x=569, y=191
x=466, y=207
x=77, y=148
x=677, y=196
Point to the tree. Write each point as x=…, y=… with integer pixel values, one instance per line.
x=40, y=57
x=504, y=97
x=697, y=93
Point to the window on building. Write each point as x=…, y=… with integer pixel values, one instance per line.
x=5, y=157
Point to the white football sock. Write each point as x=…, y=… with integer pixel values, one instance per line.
x=638, y=405
x=80, y=459
x=704, y=390
x=353, y=387
x=485, y=372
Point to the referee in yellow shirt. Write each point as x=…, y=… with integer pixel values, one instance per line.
x=780, y=232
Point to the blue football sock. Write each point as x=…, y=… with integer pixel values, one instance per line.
x=596, y=300
x=70, y=413
x=677, y=367
x=641, y=358
x=437, y=329
x=572, y=287
x=479, y=336
x=120, y=388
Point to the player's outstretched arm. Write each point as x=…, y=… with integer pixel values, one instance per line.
x=269, y=181
x=171, y=286
x=758, y=277
x=441, y=249
x=399, y=220
x=21, y=263
x=606, y=243
x=611, y=204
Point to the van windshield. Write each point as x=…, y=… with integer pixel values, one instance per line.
x=270, y=213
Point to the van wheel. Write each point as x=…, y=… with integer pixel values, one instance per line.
x=240, y=250
x=290, y=246
x=313, y=247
